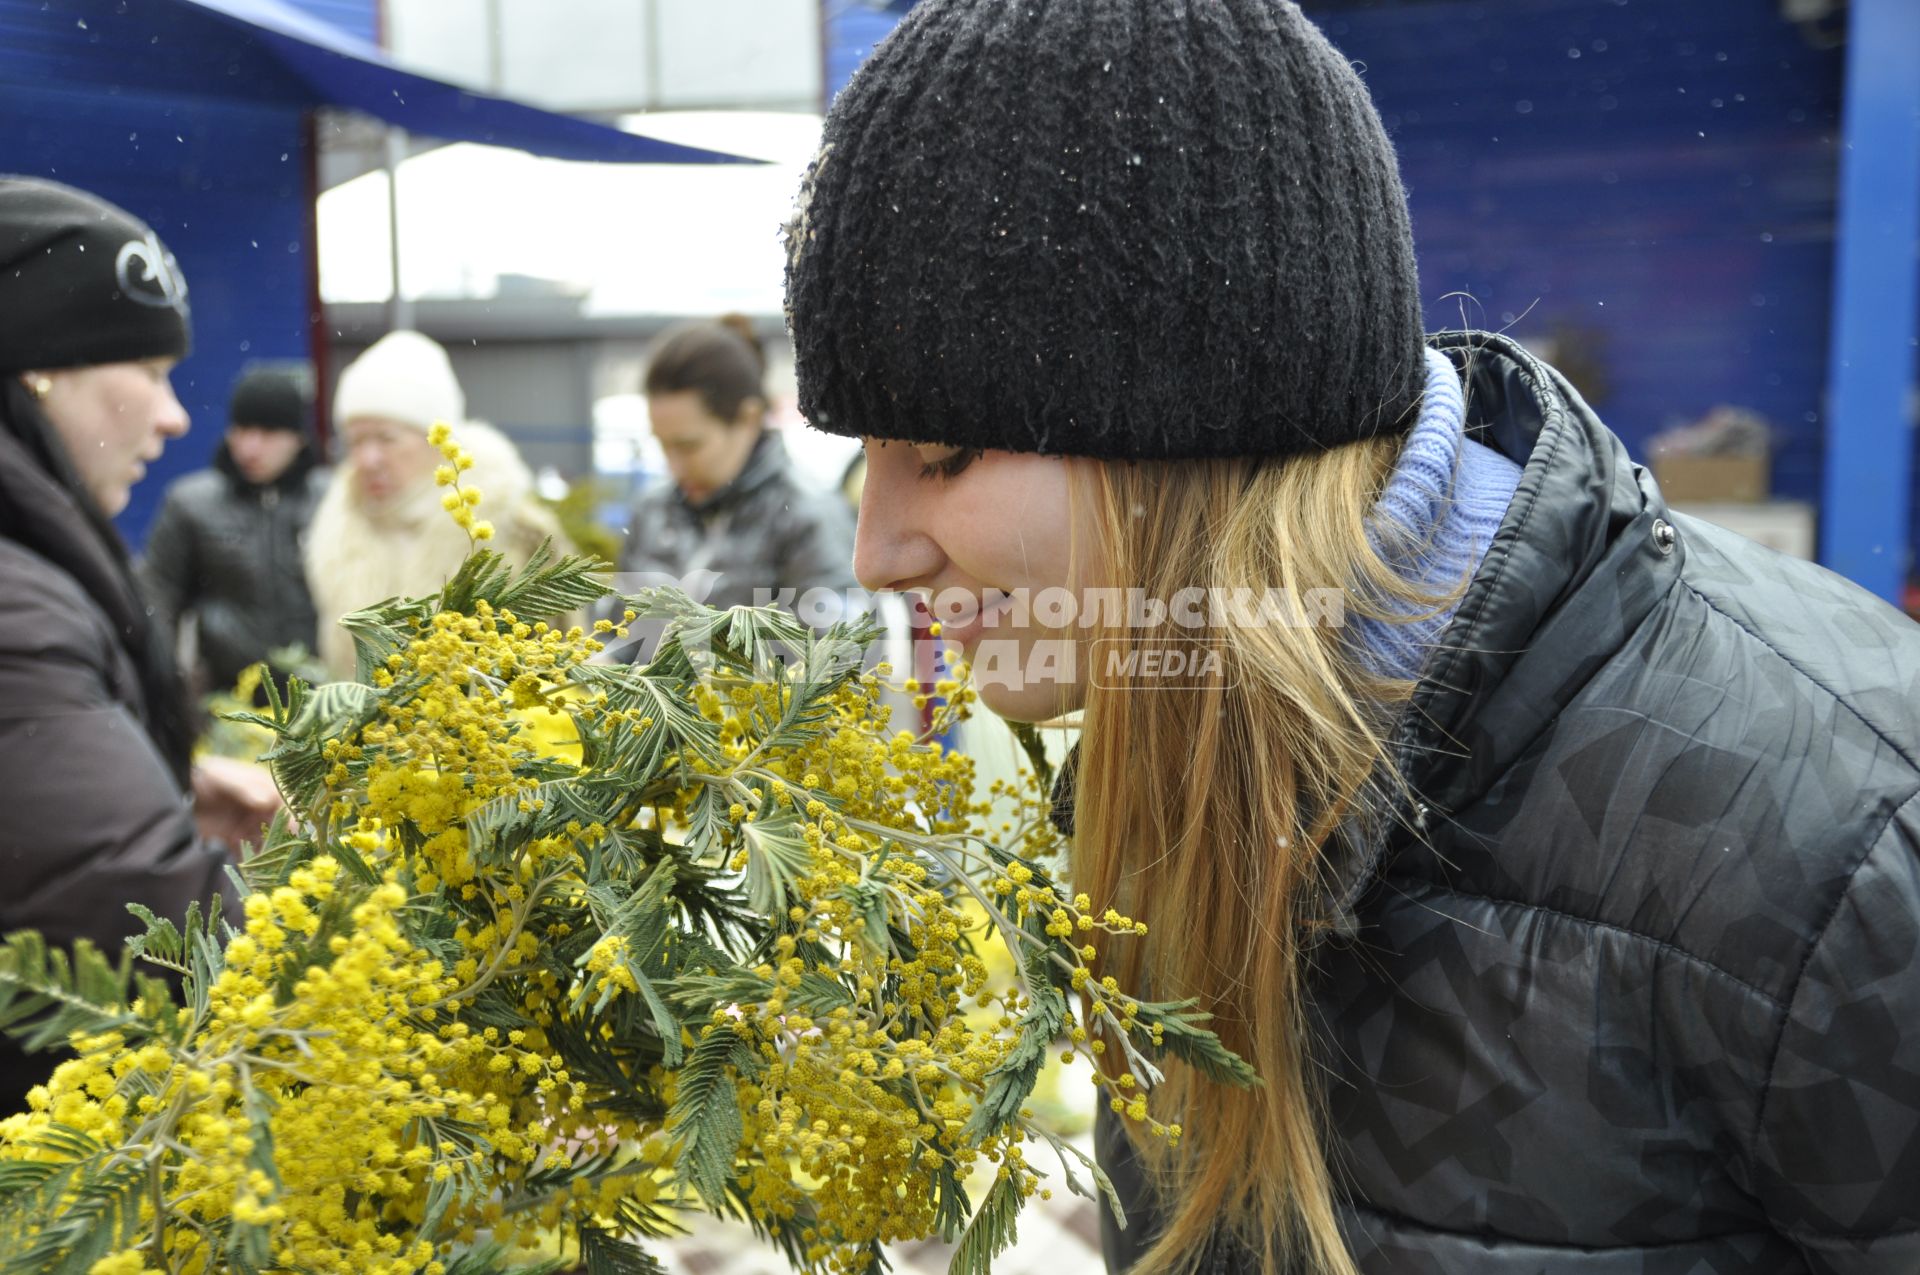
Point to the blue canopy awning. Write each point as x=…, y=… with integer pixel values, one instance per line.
x=340, y=70
x=269, y=52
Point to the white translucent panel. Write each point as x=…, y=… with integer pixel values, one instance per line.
x=576, y=55
x=446, y=39
x=739, y=53
x=635, y=238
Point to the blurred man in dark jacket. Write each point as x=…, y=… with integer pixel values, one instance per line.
x=226, y=547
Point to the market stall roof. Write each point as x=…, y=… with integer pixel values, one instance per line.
x=269, y=51
x=343, y=71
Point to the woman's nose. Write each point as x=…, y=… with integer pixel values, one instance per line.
x=173, y=420
x=890, y=550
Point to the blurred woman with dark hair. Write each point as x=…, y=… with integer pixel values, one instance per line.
x=733, y=512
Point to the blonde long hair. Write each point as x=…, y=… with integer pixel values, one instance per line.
x=1208, y=813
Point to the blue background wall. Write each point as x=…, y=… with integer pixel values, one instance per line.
x=850, y=30
x=208, y=148
x=166, y=112
x=1652, y=182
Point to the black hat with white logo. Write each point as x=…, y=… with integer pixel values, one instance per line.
x=83, y=282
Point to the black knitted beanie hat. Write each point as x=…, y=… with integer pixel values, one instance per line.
x=83, y=282
x=275, y=396
x=1117, y=228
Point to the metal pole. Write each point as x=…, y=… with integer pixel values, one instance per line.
x=1876, y=278
x=319, y=348
x=399, y=308
x=496, y=55
x=655, y=58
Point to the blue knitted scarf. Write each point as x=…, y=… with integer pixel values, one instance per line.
x=1435, y=519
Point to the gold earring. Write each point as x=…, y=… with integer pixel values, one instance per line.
x=41, y=386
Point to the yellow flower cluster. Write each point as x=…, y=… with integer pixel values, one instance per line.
x=298, y=1101
x=608, y=957
x=859, y=1104
x=440, y=754
x=458, y=500
x=469, y=1003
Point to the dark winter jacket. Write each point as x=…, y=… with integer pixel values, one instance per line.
x=762, y=531
x=93, y=814
x=1638, y=989
x=229, y=551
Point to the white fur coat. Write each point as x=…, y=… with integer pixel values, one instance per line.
x=357, y=556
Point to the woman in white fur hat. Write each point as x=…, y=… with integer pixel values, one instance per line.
x=380, y=531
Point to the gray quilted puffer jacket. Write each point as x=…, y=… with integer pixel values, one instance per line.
x=762, y=531
x=1641, y=991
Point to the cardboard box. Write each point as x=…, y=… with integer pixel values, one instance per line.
x=1723, y=479
x=1785, y=526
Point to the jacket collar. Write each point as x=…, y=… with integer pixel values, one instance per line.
x=1573, y=569
x=765, y=463
x=1583, y=555
x=44, y=509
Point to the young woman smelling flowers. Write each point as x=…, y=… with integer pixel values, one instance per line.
x=1553, y=856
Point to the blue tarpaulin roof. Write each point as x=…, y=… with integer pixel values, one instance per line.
x=268, y=51
x=340, y=70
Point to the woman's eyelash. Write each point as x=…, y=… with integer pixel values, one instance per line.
x=949, y=466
